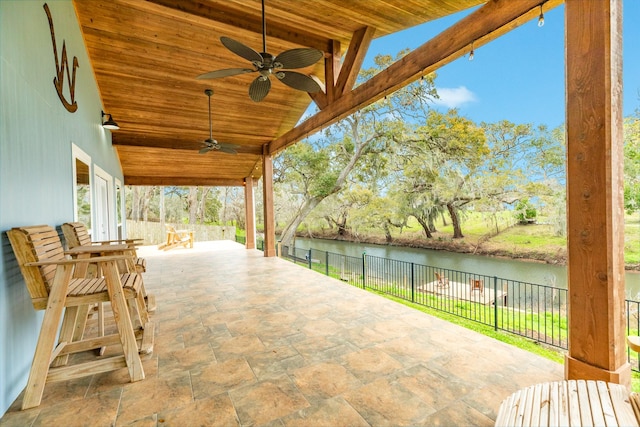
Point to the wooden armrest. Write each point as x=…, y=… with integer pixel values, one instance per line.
x=78, y=250
x=127, y=241
x=93, y=260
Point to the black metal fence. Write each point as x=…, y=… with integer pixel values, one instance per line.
x=530, y=310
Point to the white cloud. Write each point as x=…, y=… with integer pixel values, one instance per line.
x=454, y=97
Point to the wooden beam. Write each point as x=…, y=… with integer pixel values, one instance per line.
x=224, y=13
x=175, y=144
x=267, y=197
x=331, y=69
x=487, y=23
x=358, y=48
x=595, y=219
x=182, y=181
x=256, y=172
x=250, y=214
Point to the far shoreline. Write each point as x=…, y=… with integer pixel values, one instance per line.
x=559, y=258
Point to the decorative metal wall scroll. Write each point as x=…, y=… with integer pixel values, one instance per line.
x=62, y=67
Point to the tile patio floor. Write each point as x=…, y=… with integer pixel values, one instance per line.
x=247, y=340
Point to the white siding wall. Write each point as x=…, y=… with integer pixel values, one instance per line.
x=36, y=134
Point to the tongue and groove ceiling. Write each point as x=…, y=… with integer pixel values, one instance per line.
x=146, y=56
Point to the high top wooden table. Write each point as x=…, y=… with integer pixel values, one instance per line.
x=568, y=403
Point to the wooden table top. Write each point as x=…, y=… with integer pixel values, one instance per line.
x=569, y=403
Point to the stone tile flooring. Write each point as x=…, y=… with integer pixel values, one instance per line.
x=253, y=341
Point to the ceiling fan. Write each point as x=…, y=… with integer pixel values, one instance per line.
x=266, y=65
x=210, y=143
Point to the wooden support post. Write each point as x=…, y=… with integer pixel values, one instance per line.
x=46, y=340
x=123, y=320
x=595, y=218
x=249, y=213
x=267, y=196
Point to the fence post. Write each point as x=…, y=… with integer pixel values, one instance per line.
x=413, y=287
x=326, y=262
x=364, y=271
x=309, y=258
x=495, y=302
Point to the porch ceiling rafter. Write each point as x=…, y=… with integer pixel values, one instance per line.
x=184, y=182
x=341, y=77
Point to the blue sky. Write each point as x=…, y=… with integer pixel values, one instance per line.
x=520, y=76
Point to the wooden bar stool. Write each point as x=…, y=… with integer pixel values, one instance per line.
x=55, y=286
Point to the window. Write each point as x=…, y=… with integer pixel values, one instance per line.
x=81, y=186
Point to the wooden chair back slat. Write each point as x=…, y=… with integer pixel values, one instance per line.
x=47, y=247
x=33, y=244
x=76, y=234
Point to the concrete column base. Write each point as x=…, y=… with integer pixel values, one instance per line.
x=575, y=369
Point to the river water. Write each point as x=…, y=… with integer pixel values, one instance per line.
x=531, y=272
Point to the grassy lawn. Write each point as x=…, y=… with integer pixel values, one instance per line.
x=537, y=236
x=632, y=239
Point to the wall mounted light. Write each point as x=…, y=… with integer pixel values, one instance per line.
x=109, y=123
x=471, y=53
x=541, y=18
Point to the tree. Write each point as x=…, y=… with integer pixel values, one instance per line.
x=440, y=161
x=318, y=172
x=336, y=210
x=203, y=205
x=229, y=206
x=632, y=164
x=547, y=177
x=173, y=204
x=525, y=211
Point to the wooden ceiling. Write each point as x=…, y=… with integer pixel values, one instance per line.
x=146, y=56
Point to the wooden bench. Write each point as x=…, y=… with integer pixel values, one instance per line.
x=477, y=285
x=177, y=238
x=58, y=286
x=569, y=403
x=442, y=280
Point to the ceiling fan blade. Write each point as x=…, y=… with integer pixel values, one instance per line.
x=259, y=88
x=228, y=148
x=298, y=81
x=204, y=150
x=224, y=73
x=241, y=50
x=299, y=58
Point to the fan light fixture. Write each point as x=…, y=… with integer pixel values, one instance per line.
x=109, y=123
x=541, y=18
x=471, y=54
